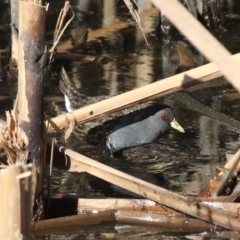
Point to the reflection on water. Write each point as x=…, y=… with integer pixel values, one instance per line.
x=180, y=162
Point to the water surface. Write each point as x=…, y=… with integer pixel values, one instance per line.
x=179, y=162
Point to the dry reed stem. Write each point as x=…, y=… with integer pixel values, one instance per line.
x=59, y=29
x=140, y=205
x=11, y=141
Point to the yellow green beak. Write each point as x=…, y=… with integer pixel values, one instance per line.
x=176, y=125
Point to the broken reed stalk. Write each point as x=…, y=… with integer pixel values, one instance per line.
x=228, y=173
x=200, y=37
x=203, y=211
x=137, y=96
x=235, y=193
x=73, y=204
x=220, y=179
x=59, y=30
x=15, y=204
x=11, y=142
x=32, y=17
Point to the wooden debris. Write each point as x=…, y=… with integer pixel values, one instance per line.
x=60, y=27
x=92, y=204
x=131, y=211
x=199, y=210
x=178, y=224
x=82, y=205
x=11, y=142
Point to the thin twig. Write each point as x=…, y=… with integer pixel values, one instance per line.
x=58, y=34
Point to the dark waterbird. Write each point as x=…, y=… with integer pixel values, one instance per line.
x=137, y=127
x=142, y=127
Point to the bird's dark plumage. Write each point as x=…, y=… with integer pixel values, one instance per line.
x=140, y=127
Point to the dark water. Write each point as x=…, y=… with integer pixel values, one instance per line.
x=180, y=162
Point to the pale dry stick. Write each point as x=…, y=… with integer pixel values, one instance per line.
x=153, y=192
x=50, y=175
x=61, y=17
x=61, y=33
x=140, y=95
x=199, y=36
x=91, y=204
x=86, y=204
x=58, y=34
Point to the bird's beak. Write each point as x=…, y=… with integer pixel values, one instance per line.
x=176, y=125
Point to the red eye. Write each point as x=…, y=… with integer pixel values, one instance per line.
x=164, y=116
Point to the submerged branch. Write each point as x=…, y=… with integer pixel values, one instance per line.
x=82, y=220
x=187, y=101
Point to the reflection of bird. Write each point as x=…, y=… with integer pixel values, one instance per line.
x=73, y=98
x=141, y=127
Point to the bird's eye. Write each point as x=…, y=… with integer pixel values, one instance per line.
x=164, y=116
